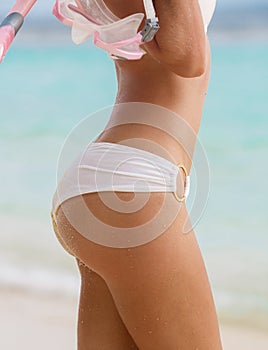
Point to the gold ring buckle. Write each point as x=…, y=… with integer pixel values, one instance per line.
x=183, y=198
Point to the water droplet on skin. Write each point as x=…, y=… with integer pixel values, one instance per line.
x=82, y=322
x=150, y=332
x=157, y=319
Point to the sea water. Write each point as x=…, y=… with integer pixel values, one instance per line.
x=46, y=91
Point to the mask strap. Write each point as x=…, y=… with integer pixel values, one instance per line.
x=151, y=24
x=149, y=9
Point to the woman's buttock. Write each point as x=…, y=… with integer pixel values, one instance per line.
x=91, y=224
x=107, y=235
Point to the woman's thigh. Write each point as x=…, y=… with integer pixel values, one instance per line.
x=160, y=288
x=100, y=326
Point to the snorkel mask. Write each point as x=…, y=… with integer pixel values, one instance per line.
x=12, y=24
x=119, y=37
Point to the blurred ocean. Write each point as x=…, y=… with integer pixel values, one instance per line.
x=47, y=89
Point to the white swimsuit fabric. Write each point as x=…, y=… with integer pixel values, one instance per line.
x=106, y=166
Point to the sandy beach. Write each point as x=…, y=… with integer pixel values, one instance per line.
x=34, y=321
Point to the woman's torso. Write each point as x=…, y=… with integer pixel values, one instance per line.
x=148, y=81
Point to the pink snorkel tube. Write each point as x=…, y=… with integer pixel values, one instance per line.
x=12, y=24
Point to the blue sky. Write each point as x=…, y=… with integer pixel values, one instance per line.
x=43, y=7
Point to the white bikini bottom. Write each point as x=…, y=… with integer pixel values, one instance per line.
x=105, y=166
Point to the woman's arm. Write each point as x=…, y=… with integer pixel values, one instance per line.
x=180, y=42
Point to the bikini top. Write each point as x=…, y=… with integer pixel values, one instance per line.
x=119, y=37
